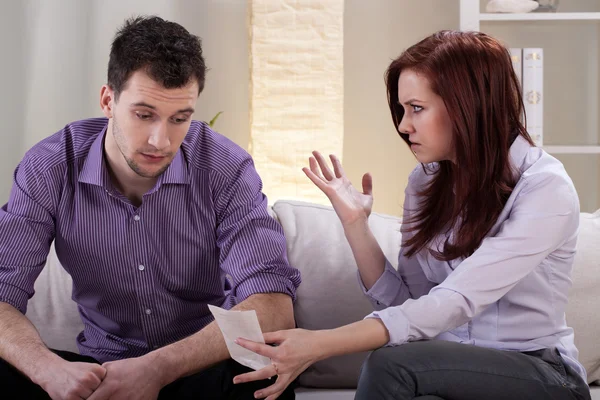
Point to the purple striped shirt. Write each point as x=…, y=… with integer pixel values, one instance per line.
x=142, y=277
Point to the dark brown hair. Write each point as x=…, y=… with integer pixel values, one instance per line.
x=473, y=74
x=167, y=51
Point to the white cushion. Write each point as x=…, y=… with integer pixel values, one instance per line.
x=325, y=394
x=583, y=310
x=329, y=295
x=52, y=310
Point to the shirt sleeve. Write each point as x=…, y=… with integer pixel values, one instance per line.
x=26, y=232
x=544, y=216
x=394, y=287
x=252, y=244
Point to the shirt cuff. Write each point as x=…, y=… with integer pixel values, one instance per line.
x=395, y=322
x=14, y=296
x=387, y=288
x=267, y=283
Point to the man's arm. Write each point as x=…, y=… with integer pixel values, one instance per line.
x=21, y=345
x=207, y=347
x=253, y=252
x=26, y=232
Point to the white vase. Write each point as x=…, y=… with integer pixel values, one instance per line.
x=547, y=6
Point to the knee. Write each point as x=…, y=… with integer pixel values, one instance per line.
x=380, y=373
x=377, y=364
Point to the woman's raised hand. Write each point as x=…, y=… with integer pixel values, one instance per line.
x=349, y=204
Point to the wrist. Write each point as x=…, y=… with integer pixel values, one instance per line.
x=165, y=370
x=325, y=345
x=360, y=223
x=43, y=369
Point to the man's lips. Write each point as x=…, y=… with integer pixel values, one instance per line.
x=153, y=158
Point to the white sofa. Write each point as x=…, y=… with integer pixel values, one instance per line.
x=329, y=295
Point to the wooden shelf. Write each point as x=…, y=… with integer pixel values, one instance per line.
x=545, y=16
x=572, y=149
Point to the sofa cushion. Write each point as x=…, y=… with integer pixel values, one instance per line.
x=52, y=310
x=325, y=394
x=582, y=311
x=329, y=295
x=317, y=246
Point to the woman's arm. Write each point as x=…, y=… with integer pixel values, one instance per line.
x=297, y=349
x=353, y=209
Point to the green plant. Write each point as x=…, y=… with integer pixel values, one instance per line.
x=212, y=121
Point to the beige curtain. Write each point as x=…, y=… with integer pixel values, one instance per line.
x=55, y=55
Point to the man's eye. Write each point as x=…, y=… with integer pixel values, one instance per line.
x=144, y=117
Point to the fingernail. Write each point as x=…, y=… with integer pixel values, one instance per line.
x=235, y=381
x=237, y=341
x=257, y=395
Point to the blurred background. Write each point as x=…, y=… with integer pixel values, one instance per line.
x=55, y=54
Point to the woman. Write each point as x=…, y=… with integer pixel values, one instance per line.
x=476, y=309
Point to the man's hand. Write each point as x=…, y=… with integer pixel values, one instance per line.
x=72, y=380
x=130, y=379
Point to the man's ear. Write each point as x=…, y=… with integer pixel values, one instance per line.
x=107, y=100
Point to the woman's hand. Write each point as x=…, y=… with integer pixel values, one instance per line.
x=296, y=350
x=349, y=204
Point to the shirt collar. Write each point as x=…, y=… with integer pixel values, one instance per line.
x=518, y=153
x=177, y=172
x=95, y=171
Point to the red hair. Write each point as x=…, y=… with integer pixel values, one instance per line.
x=473, y=74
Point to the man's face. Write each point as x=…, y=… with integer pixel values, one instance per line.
x=150, y=122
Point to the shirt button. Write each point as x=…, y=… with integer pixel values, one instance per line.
x=141, y=267
x=136, y=217
x=148, y=311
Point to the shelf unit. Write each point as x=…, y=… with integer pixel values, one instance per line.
x=471, y=16
x=591, y=16
x=572, y=149
x=582, y=161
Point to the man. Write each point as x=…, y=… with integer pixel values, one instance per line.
x=154, y=216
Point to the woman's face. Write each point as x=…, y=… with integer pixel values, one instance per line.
x=426, y=120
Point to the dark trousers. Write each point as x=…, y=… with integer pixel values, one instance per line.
x=441, y=370
x=212, y=384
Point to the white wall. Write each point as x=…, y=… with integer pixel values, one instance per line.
x=12, y=99
x=375, y=32
x=55, y=55
x=59, y=51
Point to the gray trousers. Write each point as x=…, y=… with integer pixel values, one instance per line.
x=441, y=370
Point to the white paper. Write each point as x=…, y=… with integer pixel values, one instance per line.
x=241, y=324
